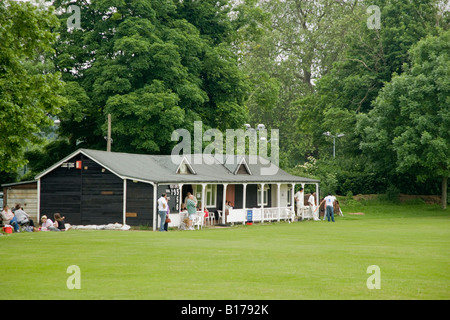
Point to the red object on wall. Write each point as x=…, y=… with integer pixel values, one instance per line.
x=78, y=164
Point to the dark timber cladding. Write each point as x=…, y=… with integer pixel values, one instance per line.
x=89, y=194
x=139, y=203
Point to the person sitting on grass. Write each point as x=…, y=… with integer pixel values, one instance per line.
x=8, y=217
x=59, y=222
x=22, y=216
x=47, y=224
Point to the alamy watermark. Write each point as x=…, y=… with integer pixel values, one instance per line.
x=374, y=281
x=74, y=21
x=235, y=144
x=374, y=21
x=74, y=280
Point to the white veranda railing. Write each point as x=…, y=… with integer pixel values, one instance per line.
x=261, y=215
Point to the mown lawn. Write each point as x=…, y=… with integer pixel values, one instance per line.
x=306, y=260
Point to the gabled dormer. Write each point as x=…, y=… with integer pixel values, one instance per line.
x=185, y=167
x=242, y=167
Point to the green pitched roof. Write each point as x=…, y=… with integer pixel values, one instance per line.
x=163, y=168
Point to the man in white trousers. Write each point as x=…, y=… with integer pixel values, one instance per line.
x=300, y=201
x=312, y=206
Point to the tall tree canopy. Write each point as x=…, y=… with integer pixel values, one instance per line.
x=369, y=60
x=409, y=126
x=28, y=86
x=155, y=66
x=301, y=41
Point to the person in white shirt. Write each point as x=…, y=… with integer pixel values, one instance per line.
x=299, y=200
x=47, y=224
x=312, y=206
x=311, y=199
x=162, y=211
x=329, y=210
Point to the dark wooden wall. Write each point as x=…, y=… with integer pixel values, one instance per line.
x=61, y=192
x=251, y=196
x=102, y=195
x=90, y=195
x=139, y=203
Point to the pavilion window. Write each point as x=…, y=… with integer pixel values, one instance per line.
x=266, y=193
x=211, y=195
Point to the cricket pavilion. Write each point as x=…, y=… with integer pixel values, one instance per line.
x=100, y=187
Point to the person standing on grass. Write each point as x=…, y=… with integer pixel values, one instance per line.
x=299, y=201
x=312, y=204
x=166, y=224
x=329, y=210
x=162, y=211
x=191, y=205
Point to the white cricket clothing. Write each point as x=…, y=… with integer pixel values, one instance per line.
x=311, y=200
x=162, y=204
x=300, y=198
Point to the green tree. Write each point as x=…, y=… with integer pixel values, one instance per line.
x=298, y=46
x=154, y=66
x=409, y=125
x=28, y=84
x=367, y=63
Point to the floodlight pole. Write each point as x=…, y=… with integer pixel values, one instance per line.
x=328, y=133
x=334, y=147
x=259, y=127
x=108, y=145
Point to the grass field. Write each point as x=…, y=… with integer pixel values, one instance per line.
x=304, y=260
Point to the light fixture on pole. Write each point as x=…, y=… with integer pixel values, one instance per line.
x=259, y=127
x=339, y=135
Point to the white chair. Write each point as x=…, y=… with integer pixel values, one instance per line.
x=198, y=221
x=211, y=217
x=289, y=215
x=292, y=215
x=306, y=212
x=219, y=219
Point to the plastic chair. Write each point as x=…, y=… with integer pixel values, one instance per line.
x=219, y=219
x=198, y=221
x=211, y=217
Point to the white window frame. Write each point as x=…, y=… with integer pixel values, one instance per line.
x=212, y=189
x=197, y=189
x=266, y=195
